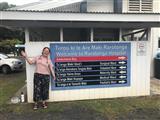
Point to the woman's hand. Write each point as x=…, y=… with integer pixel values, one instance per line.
x=54, y=77
x=23, y=54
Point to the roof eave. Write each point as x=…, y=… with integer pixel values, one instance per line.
x=53, y=19
x=53, y=16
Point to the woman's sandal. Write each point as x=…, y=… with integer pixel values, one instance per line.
x=35, y=107
x=44, y=105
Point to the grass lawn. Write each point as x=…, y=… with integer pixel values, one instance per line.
x=9, y=84
x=118, y=108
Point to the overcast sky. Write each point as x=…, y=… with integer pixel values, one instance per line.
x=18, y=2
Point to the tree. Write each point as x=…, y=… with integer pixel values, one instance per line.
x=8, y=45
x=11, y=33
x=9, y=36
x=5, y=5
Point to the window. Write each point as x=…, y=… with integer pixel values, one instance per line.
x=106, y=34
x=44, y=34
x=140, y=5
x=76, y=34
x=135, y=34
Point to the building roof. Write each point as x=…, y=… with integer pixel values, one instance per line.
x=47, y=5
x=63, y=13
x=56, y=10
x=74, y=19
x=61, y=6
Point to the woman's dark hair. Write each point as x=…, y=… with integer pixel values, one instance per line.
x=46, y=48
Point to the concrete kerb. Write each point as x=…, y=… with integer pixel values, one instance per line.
x=16, y=98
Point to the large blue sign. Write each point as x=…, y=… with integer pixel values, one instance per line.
x=90, y=65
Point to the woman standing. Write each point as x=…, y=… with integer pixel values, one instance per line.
x=44, y=68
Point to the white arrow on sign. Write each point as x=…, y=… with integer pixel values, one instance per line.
x=121, y=62
x=122, y=67
x=122, y=72
x=122, y=76
x=122, y=81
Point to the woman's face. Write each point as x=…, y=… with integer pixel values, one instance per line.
x=45, y=52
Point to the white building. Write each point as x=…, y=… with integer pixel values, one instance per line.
x=130, y=27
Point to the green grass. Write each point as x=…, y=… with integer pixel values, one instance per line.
x=9, y=85
x=111, y=108
x=122, y=106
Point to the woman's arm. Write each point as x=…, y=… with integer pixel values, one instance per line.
x=52, y=71
x=26, y=57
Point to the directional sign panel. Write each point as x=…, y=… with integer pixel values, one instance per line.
x=90, y=65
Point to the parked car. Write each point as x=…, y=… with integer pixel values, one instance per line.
x=8, y=64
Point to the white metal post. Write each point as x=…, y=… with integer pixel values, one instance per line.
x=120, y=34
x=26, y=35
x=92, y=34
x=61, y=34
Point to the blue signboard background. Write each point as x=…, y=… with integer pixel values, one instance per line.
x=91, y=49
